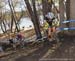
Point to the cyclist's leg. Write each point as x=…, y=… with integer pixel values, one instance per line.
x=50, y=33
x=54, y=29
x=50, y=30
x=53, y=33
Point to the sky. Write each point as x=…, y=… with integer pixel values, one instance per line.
x=19, y=6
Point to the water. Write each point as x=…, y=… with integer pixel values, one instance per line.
x=27, y=23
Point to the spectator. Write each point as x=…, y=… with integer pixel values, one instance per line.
x=20, y=38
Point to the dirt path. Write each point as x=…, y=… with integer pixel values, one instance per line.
x=35, y=56
x=66, y=52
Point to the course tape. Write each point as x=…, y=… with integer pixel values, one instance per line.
x=71, y=28
x=67, y=21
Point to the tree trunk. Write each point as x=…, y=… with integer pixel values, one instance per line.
x=46, y=7
x=61, y=8
x=12, y=16
x=34, y=17
x=68, y=11
x=2, y=28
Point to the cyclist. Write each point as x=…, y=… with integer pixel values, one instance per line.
x=50, y=18
x=20, y=38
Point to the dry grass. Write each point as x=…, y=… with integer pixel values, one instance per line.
x=27, y=34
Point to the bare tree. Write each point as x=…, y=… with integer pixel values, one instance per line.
x=47, y=6
x=3, y=22
x=15, y=19
x=34, y=17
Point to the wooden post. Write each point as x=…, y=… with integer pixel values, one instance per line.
x=68, y=12
x=61, y=8
x=72, y=12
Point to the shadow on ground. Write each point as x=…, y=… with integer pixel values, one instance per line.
x=66, y=50
x=36, y=55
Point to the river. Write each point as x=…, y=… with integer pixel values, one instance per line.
x=27, y=23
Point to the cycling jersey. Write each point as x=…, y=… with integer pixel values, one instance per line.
x=51, y=19
x=46, y=25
